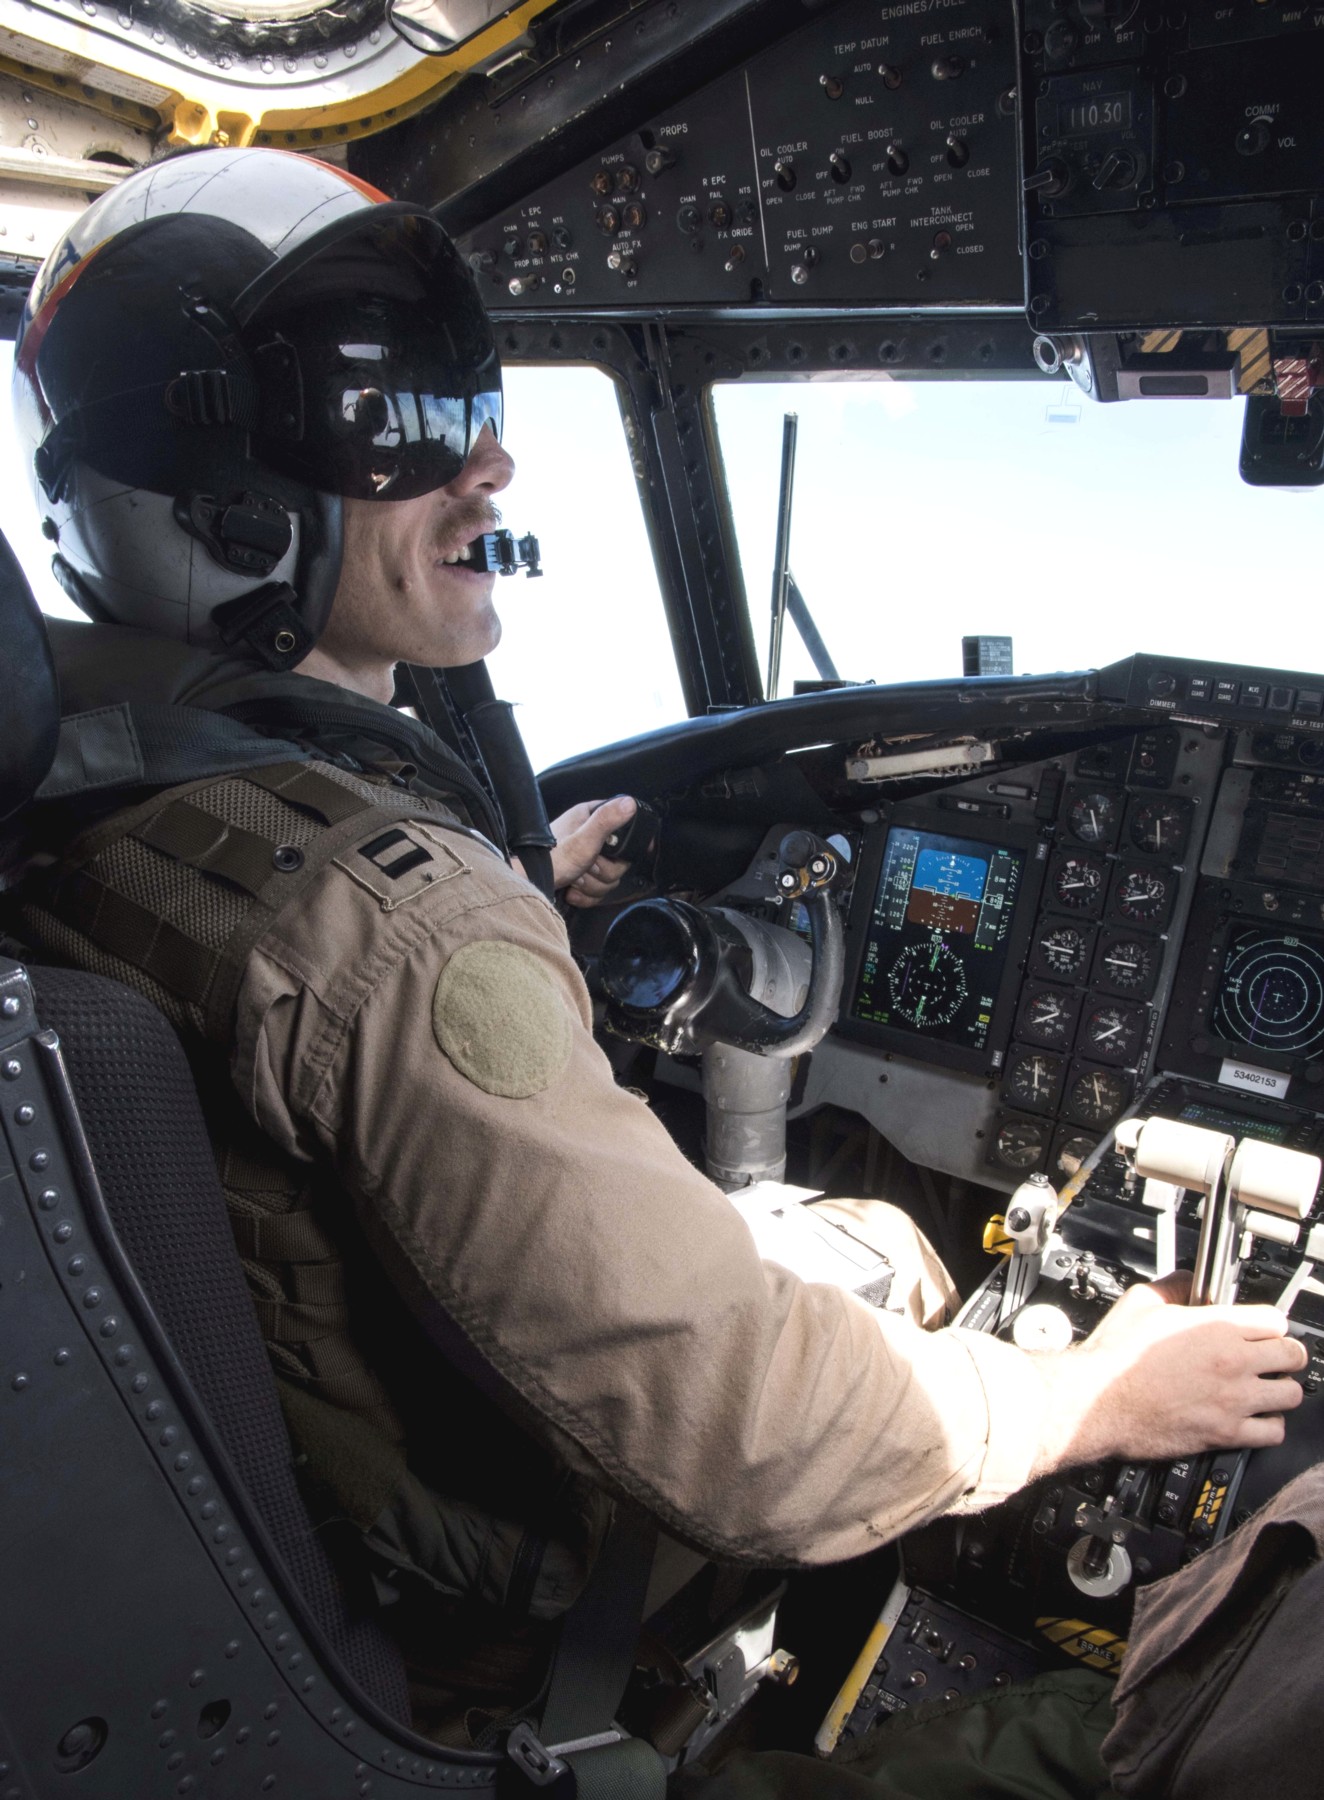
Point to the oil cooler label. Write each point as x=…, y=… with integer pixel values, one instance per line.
x=1258, y=1081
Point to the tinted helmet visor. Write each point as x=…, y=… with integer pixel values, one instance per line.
x=375, y=358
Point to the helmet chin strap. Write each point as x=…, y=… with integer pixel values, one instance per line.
x=321, y=553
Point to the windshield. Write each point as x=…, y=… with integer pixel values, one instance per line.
x=927, y=511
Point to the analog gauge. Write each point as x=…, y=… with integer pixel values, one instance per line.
x=927, y=983
x=1072, y=1153
x=1142, y=894
x=1097, y=1096
x=1042, y=1327
x=1092, y=817
x=1077, y=882
x=1128, y=965
x=1032, y=1079
x=1020, y=1143
x=1113, y=1032
x=1160, y=827
x=1062, y=950
x=1048, y=1016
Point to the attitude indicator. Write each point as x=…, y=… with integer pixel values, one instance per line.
x=937, y=936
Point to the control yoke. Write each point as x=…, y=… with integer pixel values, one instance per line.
x=681, y=977
x=747, y=995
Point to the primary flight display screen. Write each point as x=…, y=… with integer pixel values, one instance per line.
x=1270, y=993
x=936, y=942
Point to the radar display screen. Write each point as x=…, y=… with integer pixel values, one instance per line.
x=1270, y=993
x=937, y=937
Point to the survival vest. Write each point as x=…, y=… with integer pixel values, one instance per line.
x=436, y=1500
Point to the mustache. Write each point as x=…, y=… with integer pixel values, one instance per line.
x=471, y=518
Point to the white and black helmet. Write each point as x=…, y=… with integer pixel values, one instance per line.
x=217, y=352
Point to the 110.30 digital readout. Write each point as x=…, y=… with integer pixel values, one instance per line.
x=1104, y=112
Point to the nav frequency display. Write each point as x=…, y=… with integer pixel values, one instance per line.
x=937, y=938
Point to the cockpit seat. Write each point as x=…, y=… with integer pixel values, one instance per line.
x=173, y=1624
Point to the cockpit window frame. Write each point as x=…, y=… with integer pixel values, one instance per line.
x=667, y=370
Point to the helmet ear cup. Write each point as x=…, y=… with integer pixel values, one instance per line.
x=135, y=565
x=249, y=534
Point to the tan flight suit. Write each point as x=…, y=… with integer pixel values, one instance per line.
x=414, y=1022
x=441, y=1053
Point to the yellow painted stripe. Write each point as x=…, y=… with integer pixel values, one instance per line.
x=207, y=115
x=829, y=1732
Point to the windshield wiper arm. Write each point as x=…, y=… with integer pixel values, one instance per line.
x=786, y=595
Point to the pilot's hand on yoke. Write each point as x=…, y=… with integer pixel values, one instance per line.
x=1161, y=1379
x=580, y=872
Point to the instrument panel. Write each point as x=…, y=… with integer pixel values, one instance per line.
x=1030, y=946
x=1035, y=948
x=1129, y=883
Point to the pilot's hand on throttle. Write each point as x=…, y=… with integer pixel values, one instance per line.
x=579, y=869
x=1158, y=1378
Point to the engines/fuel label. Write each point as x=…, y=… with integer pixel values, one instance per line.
x=937, y=938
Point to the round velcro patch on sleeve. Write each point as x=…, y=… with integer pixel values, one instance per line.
x=497, y=1015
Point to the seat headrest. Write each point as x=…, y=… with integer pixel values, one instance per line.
x=30, y=707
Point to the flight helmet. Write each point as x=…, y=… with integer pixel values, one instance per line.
x=218, y=352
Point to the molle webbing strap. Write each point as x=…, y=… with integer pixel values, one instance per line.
x=138, y=936
x=272, y=874
x=205, y=842
x=305, y=787
x=282, y=1237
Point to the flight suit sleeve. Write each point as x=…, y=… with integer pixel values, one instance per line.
x=430, y=1034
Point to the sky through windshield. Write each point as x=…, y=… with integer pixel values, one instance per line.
x=927, y=511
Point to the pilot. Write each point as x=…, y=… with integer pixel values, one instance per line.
x=263, y=411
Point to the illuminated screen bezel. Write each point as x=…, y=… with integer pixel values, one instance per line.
x=984, y=834
x=1264, y=1055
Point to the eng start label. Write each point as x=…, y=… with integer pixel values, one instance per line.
x=1258, y=1081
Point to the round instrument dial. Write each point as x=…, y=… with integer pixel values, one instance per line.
x=1161, y=827
x=1092, y=817
x=1020, y=1143
x=1097, y=1096
x=1077, y=882
x=1127, y=965
x=927, y=983
x=1032, y=1079
x=1143, y=894
x=1048, y=1016
x=1062, y=950
x=1113, y=1032
x=1072, y=1152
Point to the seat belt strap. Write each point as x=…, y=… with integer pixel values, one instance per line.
x=589, y=1672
